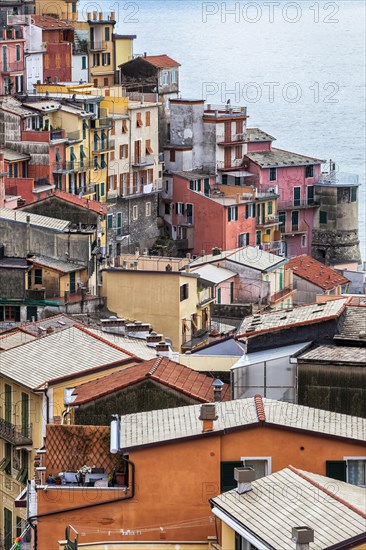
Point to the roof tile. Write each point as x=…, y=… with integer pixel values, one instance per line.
x=315, y=272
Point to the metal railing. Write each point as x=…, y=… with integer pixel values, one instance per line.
x=13, y=66
x=74, y=136
x=224, y=110
x=97, y=45
x=16, y=435
x=26, y=538
x=292, y=205
x=234, y=139
x=267, y=220
x=235, y=163
x=144, y=161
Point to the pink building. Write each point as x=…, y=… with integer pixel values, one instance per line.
x=12, y=60
x=292, y=176
x=200, y=216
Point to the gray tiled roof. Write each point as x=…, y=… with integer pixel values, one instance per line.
x=354, y=326
x=13, y=156
x=153, y=427
x=58, y=265
x=40, y=221
x=137, y=346
x=335, y=354
x=280, y=157
x=256, y=134
x=13, y=339
x=277, y=320
x=54, y=323
x=64, y=353
x=248, y=256
x=291, y=498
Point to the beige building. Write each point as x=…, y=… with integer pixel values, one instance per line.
x=172, y=302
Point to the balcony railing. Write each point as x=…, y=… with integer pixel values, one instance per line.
x=16, y=435
x=235, y=139
x=105, y=122
x=224, y=111
x=204, y=296
x=296, y=204
x=12, y=67
x=74, y=136
x=232, y=165
x=268, y=220
x=97, y=45
x=144, y=161
x=100, y=146
x=292, y=229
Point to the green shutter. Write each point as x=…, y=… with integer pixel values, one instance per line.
x=8, y=403
x=336, y=469
x=8, y=529
x=102, y=189
x=25, y=412
x=227, y=481
x=207, y=187
x=229, y=214
x=191, y=185
x=199, y=186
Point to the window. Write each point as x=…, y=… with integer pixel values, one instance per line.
x=102, y=189
x=103, y=162
x=269, y=208
x=295, y=220
x=110, y=221
x=207, y=188
x=8, y=459
x=96, y=63
x=282, y=220
x=147, y=118
x=165, y=78
x=119, y=224
x=174, y=77
x=123, y=151
x=8, y=402
x=243, y=239
x=310, y=194
x=139, y=122
x=105, y=81
x=38, y=276
x=309, y=171
x=184, y=291
x=106, y=58
x=297, y=196
x=351, y=470
x=8, y=529
x=17, y=52
x=124, y=127
x=107, y=34
x=149, y=150
x=172, y=155
x=304, y=241
x=167, y=209
x=353, y=194
x=272, y=174
x=323, y=216
x=195, y=185
x=231, y=292
x=219, y=295
x=73, y=7
x=249, y=211
x=58, y=61
x=232, y=214
x=258, y=238
x=179, y=208
x=148, y=209
x=135, y=212
x=83, y=62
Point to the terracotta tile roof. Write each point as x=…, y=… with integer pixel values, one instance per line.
x=162, y=370
x=50, y=23
x=315, y=272
x=161, y=61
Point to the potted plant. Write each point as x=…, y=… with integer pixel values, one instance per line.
x=50, y=480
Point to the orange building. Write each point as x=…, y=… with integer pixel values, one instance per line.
x=180, y=458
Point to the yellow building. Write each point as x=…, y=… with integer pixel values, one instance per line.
x=61, y=9
x=123, y=44
x=102, y=66
x=172, y=302
x=267, y=223
x=34, y=375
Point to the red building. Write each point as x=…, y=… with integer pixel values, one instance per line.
x=57, y=59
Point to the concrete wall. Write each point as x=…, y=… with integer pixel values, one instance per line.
x=12, y=282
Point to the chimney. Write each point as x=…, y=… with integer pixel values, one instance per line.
x=145, y=54
x=216, y=251
x=208, y=415
x=244, y=476
x=217, y=386
x=302, y=536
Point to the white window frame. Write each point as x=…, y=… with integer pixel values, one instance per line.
x=304, y=241
x=148, y=209
x=267, y=459
x=166, y=78
x=347, y=458
x=180, y=208
x=135, y=212
x=174, y=76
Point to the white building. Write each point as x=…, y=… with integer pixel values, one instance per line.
x=34, y=50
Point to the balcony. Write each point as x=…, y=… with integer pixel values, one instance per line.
x=224, y=111
x=90, y=190
x=42, y=136
x=204, y=296
x=294, y=229
x=236, y=139
x=11, y=34
x=102, y=146
x=12, y=67
x=268, y=220
x=100, y=123
x=142, y=162
x=16, y=435
x=235, y=164
x=298, y=204
x=67, y=166
x=281, y=294
x=97, y=46
x=74, y=136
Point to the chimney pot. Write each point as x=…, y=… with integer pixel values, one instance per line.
x=244, y=476
x=302, y=535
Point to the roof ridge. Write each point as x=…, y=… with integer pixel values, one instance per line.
x=327, y=491
x=155, y=366
x=259, y=406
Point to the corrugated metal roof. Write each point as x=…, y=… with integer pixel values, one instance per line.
x=67, y=352
x=182, y=422
x=41, y=221
x=214, y=274
x=277, y=320
x=291, y=498
x=269, y=355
